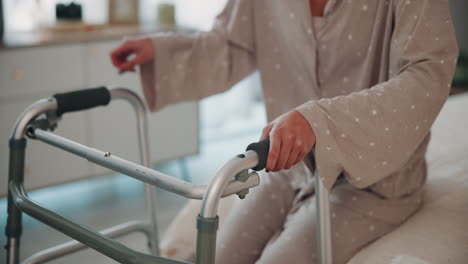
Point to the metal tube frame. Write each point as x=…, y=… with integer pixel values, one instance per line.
x=16, y=174
x=207, y=221
x=142, y=124
x=213, y=195
x=89, y=237
x=221, y=185
x=74, y=246
x=150, y=228
x=322, y=202
x=139, y=172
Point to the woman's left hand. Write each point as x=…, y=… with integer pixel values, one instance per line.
x=291, y=139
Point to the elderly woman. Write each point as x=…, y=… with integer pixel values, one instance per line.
x=362, y=80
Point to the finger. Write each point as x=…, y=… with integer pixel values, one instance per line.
x=131, y=64
x=293, y=157
x=140, y=58
x=144, y=52
x=119, y=60
x=275, y=147
x=120, y=54
x=116, y=54
x=265, y=132
x=285, y=152
x=127, y=66
x=301, y=156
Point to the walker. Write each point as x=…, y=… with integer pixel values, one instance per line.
x=236, y=176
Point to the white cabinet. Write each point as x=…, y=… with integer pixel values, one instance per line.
x=29, y=74
x=174, y=130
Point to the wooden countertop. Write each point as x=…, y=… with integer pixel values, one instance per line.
x=70, y=34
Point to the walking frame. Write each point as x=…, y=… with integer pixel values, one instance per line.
x=236, y=176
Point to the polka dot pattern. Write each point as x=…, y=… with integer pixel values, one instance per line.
x=369, y=112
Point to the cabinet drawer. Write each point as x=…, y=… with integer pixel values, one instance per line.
x=40, y=71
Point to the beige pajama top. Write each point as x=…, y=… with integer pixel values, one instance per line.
x=370, y=80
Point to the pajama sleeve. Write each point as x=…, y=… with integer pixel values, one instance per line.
x=372, y=133
x=193, y=66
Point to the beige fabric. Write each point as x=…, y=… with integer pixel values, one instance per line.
x=370, y=82
x=277, y=223
x=436, y=226
x=436, y=234
x=318, y=23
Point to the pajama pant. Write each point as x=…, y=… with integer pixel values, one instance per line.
x=275, y=224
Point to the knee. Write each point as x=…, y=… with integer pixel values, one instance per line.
x=290, y=253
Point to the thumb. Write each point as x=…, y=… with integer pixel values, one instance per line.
x=139, y=58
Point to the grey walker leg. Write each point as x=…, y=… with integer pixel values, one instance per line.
x=324, y=245
x=206, y=240
x=143, y=140
x=13, y=228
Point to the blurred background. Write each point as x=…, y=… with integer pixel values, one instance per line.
x=26, y=15
x=49, y=46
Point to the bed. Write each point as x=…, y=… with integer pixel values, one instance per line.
x=436, y=234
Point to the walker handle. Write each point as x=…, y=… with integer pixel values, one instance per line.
x=81, y=99
x=262, y=148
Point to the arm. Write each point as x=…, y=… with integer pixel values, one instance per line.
x=372, y=133
x=191, y=67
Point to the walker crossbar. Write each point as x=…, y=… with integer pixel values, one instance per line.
x=139, y=172
x=83, y=234
x=74, y=246
x=231, y=178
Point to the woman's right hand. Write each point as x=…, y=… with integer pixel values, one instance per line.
x=132, y=52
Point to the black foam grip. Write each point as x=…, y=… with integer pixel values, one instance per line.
x=81, y=99
x=262, y=148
